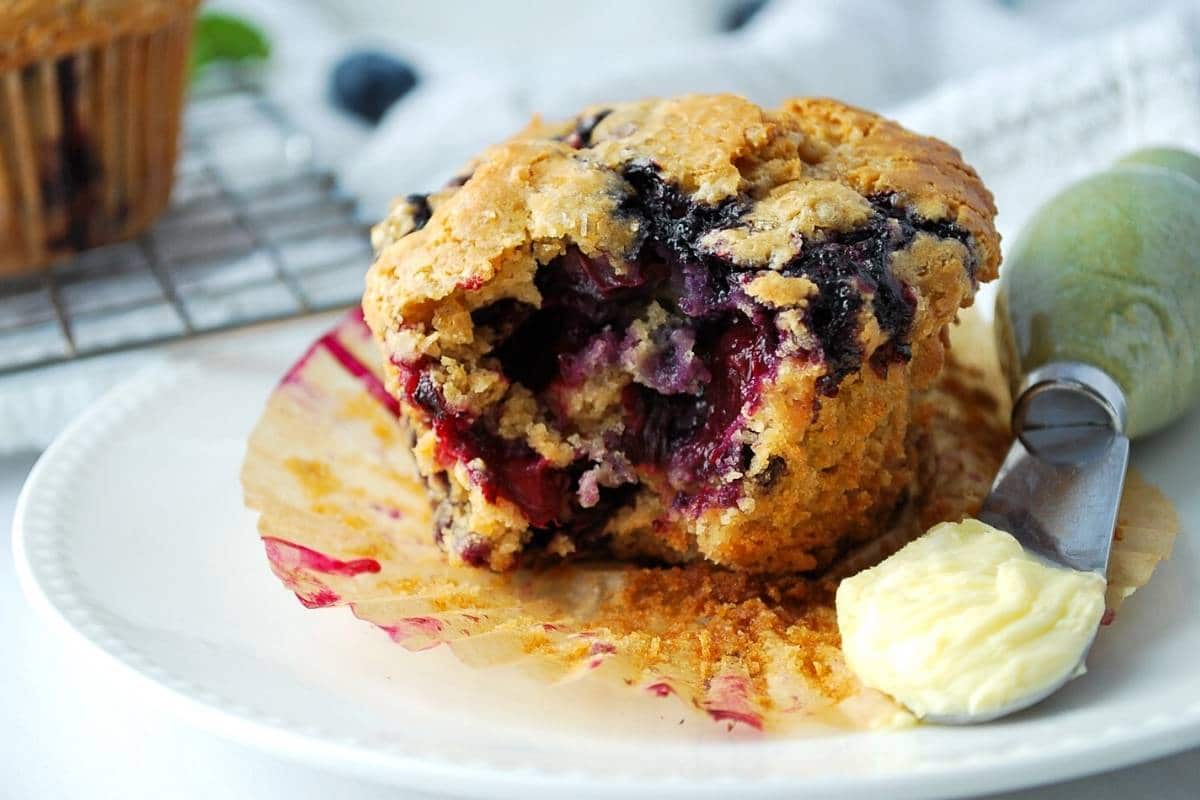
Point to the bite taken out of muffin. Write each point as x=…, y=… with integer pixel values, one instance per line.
x=681, y=329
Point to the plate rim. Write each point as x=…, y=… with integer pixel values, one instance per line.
x=39, y=553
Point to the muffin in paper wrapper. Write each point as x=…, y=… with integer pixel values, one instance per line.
x=91, y=108
x=345, y=521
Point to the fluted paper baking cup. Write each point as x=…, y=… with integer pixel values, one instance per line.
x=345, y=521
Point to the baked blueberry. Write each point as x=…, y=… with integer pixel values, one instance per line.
x=680, y=329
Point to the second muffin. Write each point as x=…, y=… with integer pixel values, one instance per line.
x=91, y=100
x=677, y=329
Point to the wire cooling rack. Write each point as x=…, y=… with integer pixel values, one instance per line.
x=255, y=231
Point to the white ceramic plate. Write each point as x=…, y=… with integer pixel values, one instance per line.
x=131, y=534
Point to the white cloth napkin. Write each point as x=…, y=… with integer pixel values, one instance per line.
x=1033, y=96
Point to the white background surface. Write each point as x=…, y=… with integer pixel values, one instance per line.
x=69, y=732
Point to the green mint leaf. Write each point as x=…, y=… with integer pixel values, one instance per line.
x=225, y=37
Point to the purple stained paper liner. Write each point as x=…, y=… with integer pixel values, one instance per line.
x=345, y=521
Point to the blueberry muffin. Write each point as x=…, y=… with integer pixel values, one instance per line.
x=678, y=329
x=91, y=96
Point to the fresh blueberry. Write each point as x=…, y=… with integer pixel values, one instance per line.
x=740, y=13
x=367, y=83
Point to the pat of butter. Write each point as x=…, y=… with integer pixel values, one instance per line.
x=964, y=621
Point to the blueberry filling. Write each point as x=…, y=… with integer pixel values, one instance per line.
x=776, y=468
x=889, y=204
x=586, y=526
x=674, y=222
x=581, y=136
x=601, y=351
x=843, y=267
x=514, y=470
x=74, y=169
x=476, y=553
x=420, y=210
x=696, y=350
x=693, y=440
x=668, y=363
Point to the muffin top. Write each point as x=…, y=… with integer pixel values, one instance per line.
x=36, y=29
x=715, y=177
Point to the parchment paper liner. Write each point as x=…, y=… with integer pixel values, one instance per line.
x=345, y=521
